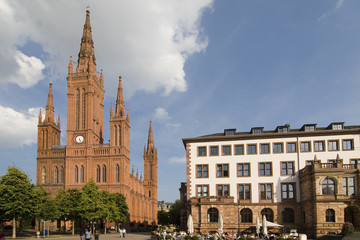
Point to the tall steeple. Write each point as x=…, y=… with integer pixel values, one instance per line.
x=120, y=106
x=49, y=112
x=150, y=142
x=86, y=54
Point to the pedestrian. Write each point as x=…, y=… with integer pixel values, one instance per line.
x=124, y=232
x=87, y=235
x=158, y=235
x=97, y=234
x=120, y=232
x=164, y=234
x=82, y=236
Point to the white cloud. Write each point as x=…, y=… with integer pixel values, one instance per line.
x=29, y=70
x=18, y=128
x=177, y=160
x=340, y=3
x=147, y=42
x=161, y=114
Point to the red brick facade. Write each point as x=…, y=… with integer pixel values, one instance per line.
x=85, y=156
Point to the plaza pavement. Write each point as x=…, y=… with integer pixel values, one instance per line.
x=109, y=236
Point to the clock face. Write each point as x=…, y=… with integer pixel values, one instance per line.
x=79, y=139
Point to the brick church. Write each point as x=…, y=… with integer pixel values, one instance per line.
x=85, y=155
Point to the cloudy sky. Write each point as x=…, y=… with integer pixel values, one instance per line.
x=192, y=67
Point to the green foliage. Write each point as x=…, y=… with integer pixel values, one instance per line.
x=347, y=229
x=212, y=238
x=44, y=207
x=168, y=236
x=187, y=237
x=195, y=237
x=119, y=209
x=174, y=213
x=242, y=238
x=163, y=218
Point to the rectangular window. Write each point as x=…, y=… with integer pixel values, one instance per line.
x=222, y=170
x=287, y=168
x=288, y=190
x=214, y=151
x=291, y=147
x=309, y=128
x=348, y=145
x=266, y=191
x=333, y=145
x=223, y=190
x=203, y=190
x=305, y=146
x=355, y=161
x=201, y=151
x=244, y=191
x=319, y=146
x=202, y=171
x=226, y=150
x=265, y=169
x=278, y=148
x=309, y=162
x=243, y=170
x=349, y=186
x=239, y=149
x=264, y=148
x=251, y=149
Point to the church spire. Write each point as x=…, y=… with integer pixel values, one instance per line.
x=86, y=55
x=49, y=111
x=150, y=143
x=120, y=108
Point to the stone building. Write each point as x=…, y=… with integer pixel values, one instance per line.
x=85, y=155
x=305, y=179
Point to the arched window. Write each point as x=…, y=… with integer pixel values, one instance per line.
x=246, y=215
x=328, y=186
x=56, y=175
x=98, y=174
x=82, y=174
x=83, y=96
x=104, y=174
x=269, y=214
x=212, y=215
x=76, y=175
x=61, y=174
x=288, y=215
x=117, y=173
x=330, y=215
x=43, y=175
x=77, y=109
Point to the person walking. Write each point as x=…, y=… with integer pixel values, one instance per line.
x=87, y=235
x=120, y=232
x=97, y=235
x=124, y=232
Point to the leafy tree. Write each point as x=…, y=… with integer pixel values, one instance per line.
x=174, y=213
x=163, y=218
x=44, y=207
x=119, y=208
x=17, y=196
x=91, y=202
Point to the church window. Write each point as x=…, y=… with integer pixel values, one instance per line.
x=61, y=174
x=82, y=174
x=83, y=95
x=76, y=175
x=116, y=136
x=98, y=174
x=56, y=175
x=43, y=175
x=117, y=173
x=104, y=174
x=77, y=109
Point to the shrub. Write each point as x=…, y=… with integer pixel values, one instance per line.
x=168, y=237
x=187, y=237
x=195, y=237
x=212, y=238
x=347, y=229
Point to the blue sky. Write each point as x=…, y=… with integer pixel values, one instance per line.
x=192, y=67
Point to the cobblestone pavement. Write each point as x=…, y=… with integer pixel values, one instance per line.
x=129, y=236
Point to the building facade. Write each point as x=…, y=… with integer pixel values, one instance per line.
x=85, y=155
x=305, y=179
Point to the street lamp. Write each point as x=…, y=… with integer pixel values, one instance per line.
x=238, y=218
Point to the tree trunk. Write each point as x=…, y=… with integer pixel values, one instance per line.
x=14, y=228
x=73, y=227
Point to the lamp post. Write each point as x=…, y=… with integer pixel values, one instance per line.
x=238, y=218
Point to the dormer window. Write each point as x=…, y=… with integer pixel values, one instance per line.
x=230, y=132
x=309, y=127
x=336, y=126
x=257, y=130
x=283, y=129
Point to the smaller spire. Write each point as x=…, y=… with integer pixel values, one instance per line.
x=111, y=111
x=315, y=158
x=150, y=143
x=140, y=177
x=128, y=115
x=101, y=78
x=58, y=121
x=40, y=116
x=120, y=108
x=337, y=157
x=70, y=67
x=49, y=112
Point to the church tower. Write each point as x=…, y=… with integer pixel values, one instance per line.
x=150, y=172
x=85, y=95
x=48, y=129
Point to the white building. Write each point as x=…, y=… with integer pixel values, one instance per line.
x=258, y=173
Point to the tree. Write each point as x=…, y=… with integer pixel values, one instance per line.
x=17, y=196
x=44, y=207
x=119, y=208
x=163, y=218
x=174, y=213
x=91, y=202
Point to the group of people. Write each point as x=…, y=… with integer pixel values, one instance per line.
x=122, y=232
x=87, y=236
